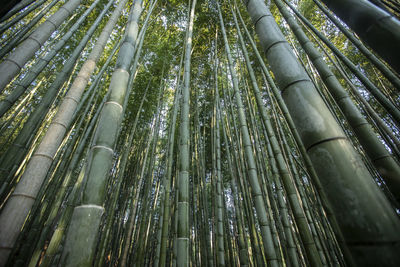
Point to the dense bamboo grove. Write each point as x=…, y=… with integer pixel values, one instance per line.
x=200, y=133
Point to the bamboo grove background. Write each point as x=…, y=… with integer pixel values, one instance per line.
x=210, y=133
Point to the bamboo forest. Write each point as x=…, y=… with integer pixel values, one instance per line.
x=200, y=133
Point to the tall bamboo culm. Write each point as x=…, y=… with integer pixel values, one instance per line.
x=347, y=182
x=82, y=233
x=37, y=168
x=184, y=132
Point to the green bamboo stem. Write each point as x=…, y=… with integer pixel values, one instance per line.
x=375, y=150
x=57, y=237
x=251, y=169
x=21, y=15
x=183, y=234
x=264, y=179
x=16, y=38
x=242, y=244
x=218, y=174
x=336, y=162
x=295, y=175
x=145, y=199
x=50, y=145
x=204, y=198
x=382, y=35
x=10, y=67
x=67, y=172
x=15, y=9
x=167, y=185
x=392, y=77
x=372, y=113
x=67, y=178
x=290, y=247
x=380, y=97
x=298, y=213
x=83, y=231
x=310, y=168
x=240, y=165
x=41, y=63
x=19, y=109
x=134, y=195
